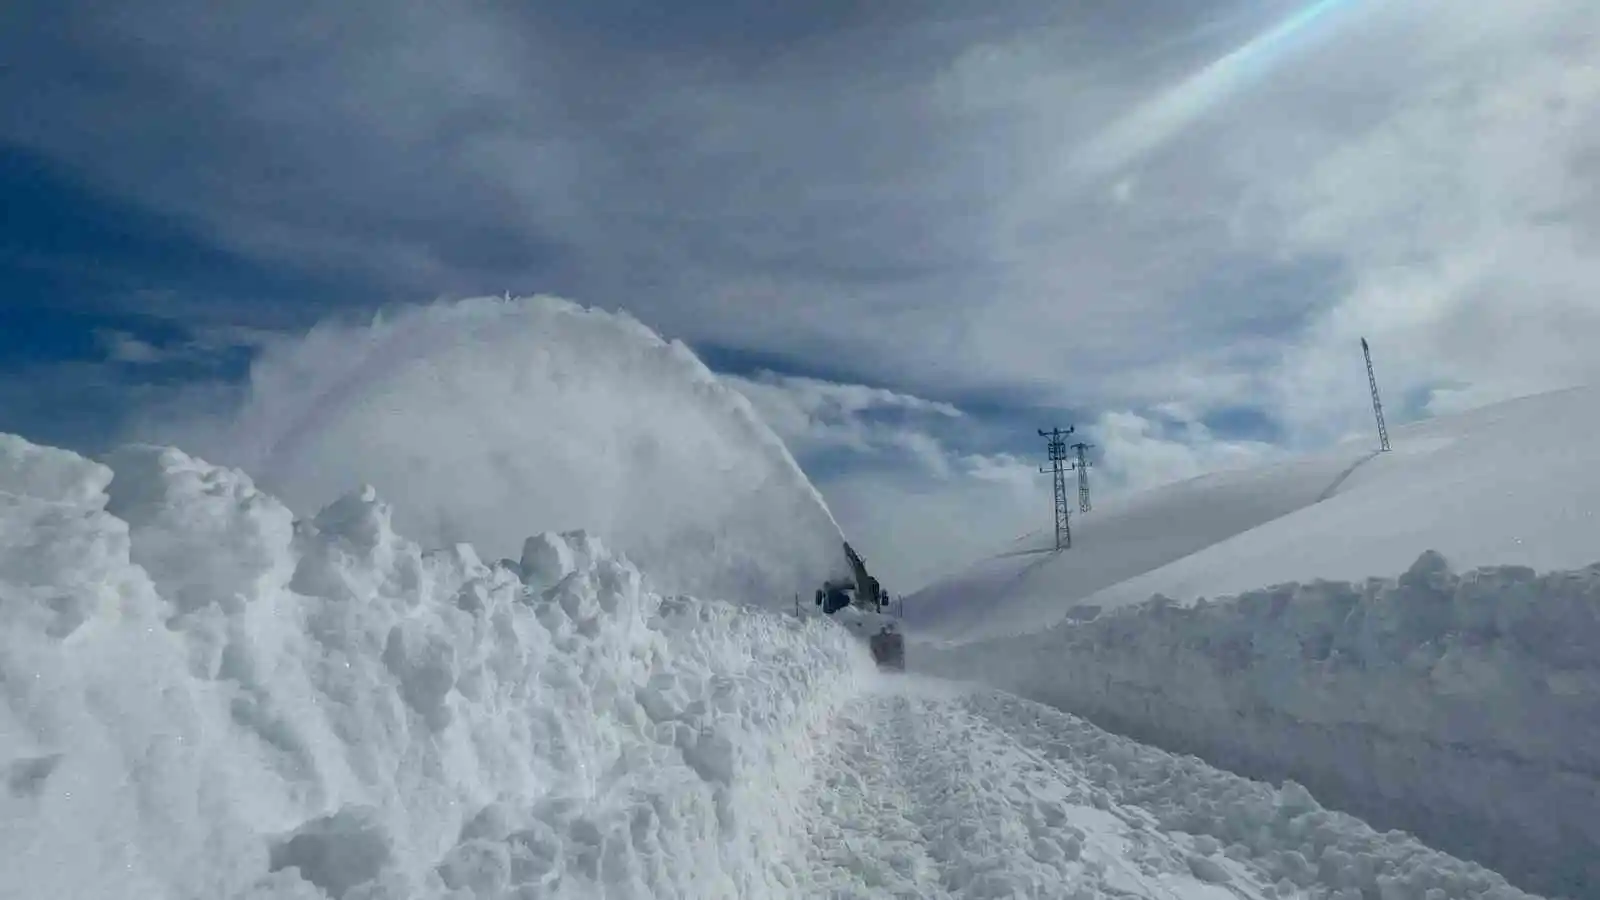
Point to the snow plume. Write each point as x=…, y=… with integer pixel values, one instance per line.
x=1464, y=708
x=489, y=419
x=207, y=698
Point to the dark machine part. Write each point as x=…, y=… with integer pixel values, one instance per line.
x=889, y=649
x=870, y=594
x=888, y=645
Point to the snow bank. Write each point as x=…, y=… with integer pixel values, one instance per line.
x=487, y=420
x=1250, y=838
x=206, y=698
x=1465, y=708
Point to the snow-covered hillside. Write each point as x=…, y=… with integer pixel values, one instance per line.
x=1461, y=706
x=1028, y=586
x=205, y=698
x=490, y=419
x=1509, y=484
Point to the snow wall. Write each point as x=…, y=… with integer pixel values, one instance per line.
x=204, y=697
x=490, y=419
x=1463, y=708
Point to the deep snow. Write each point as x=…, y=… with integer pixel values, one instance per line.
x=489, y=419
x=1464, y=708
x=1461, y=706
x=207, y=698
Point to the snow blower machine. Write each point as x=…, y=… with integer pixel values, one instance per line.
x=864, y=604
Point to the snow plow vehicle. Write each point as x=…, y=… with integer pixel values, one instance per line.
x=864, y=602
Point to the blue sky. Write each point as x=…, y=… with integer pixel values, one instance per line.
x=913, y=232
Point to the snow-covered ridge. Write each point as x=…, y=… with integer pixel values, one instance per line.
x=1465, y=708
x=1509, y=484
x=488, y=419
x=204, y=697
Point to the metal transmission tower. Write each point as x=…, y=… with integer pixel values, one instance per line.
x=1377, y=404
x=1058, y=460
x=1082, y=468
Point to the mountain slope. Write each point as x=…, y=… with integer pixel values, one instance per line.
x=1507, y=484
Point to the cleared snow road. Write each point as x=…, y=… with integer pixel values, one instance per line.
x=934, y=789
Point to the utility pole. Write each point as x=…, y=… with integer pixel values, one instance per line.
x=1377, y=404
x=1082, y=468
x=1057, y=468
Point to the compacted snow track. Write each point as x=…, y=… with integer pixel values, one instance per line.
x=934, y=789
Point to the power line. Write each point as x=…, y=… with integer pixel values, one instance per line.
x=1082, y=468
x=1377, y=404
x=1058, y=458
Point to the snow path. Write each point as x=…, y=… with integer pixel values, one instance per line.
x=936, y=789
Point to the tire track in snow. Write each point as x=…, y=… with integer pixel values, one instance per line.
x=925, y=798
x=1263, y=840
x=935, y=789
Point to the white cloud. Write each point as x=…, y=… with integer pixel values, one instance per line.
x=1139, y=452
x=1467, y=216
x=912, y=530
x=915, y=526
x=931, y=504
x=812, y=414
x=122, y=347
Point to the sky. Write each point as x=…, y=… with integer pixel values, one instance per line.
x=912, y=233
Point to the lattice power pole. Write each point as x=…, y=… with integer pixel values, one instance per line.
x=1377, y=404
x=1082, y=468
x=1058, y=469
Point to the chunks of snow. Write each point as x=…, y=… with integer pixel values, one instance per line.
x=206, y=698
x=1465, y=708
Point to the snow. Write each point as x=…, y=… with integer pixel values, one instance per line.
x=1029, y=586
x=207, y=697
x=209, y=692
x=1464, y=708
x=490, y=419
x=1458, y=697
x=947, y=790
x=1509, y=484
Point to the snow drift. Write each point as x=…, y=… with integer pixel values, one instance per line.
x=486, y=420
x=204, y=697
x=1465, y=708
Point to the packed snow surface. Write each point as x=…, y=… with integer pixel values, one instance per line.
x=207, y=698
x=490, y=419
x=1509, y=484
